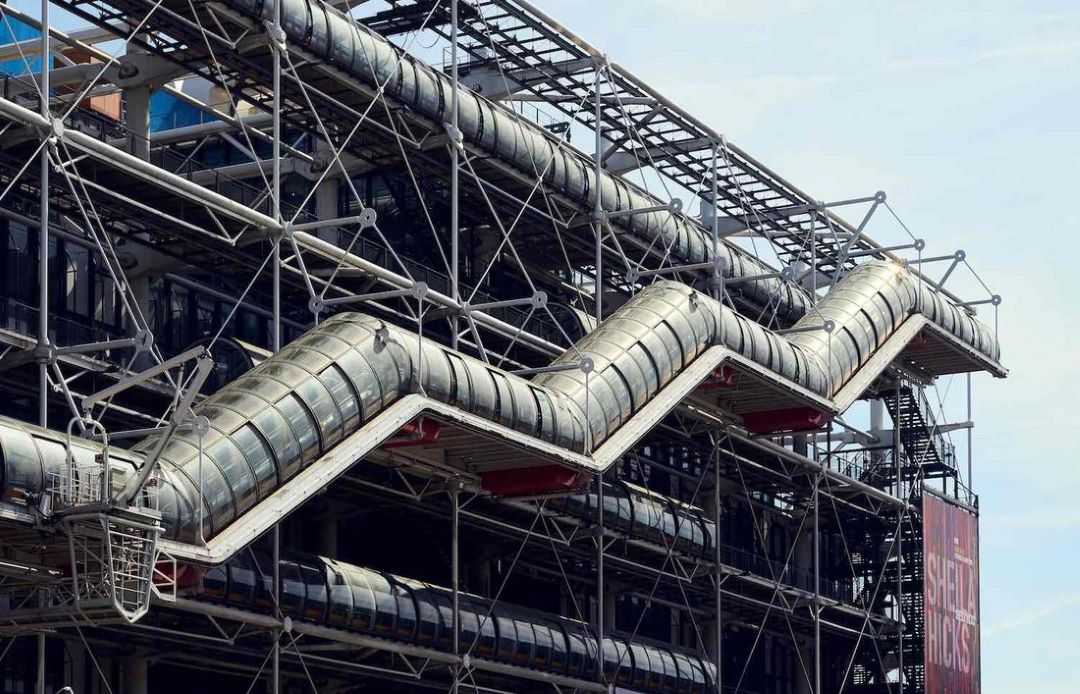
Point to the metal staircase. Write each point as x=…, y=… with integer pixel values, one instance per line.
x=926, y=454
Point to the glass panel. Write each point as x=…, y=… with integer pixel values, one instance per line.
x=542, y=653
x=207, y=477
x=526, y=641
x=279, y=435
x=293, y=589
x=242, y=580
x=315, y=608
x=671, y=675
x=327, y=416
x=559, y=653
x=233, y=463
x=616, y=659
x=427, y=615
x=655, y=667
x=341, y=597
x=640, y=678
x=341, y=391
x=244, y=403
x=446, y=617
x=258, y=456
x=363, y=616
x=686, y=674
x=264, y=591
x=405, y=628
x=580, y=660
x=470, y=624
x=507, y=644
x=386, y=607
x=260, y=386
x=489, y=634
x=364, y=381
x=302, y=425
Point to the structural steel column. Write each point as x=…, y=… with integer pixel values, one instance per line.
x=598, y=209
x=455, y=527
x=899, y=544
x=43, y=278
x=970, y=480
x=277, y=45
x=817, y=586
x=718, y=560
x=600, y=576
x=455, y=179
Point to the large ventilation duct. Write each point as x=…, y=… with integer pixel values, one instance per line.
x=292, y=408
x=372, y=603
x=503, y=134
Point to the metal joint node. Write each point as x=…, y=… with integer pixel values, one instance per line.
x=919, y=244
x=960, y=256
x=368, y=217
x=317, y=305
x=880, y=196
x=200, y=425
x=287, y=230
x=587, y=365
x=276, y=34
x=456, y=138
x=143, y=341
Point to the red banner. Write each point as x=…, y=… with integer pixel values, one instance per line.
x=951, y=546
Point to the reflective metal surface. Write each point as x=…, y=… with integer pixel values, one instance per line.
x=501, y=133
x=344, y=596
x=292, y=408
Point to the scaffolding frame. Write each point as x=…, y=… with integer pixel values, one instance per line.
x=536, y=60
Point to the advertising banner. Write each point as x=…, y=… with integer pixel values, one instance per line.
x=951, y=546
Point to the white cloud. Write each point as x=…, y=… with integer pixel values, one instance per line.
x=1031, y=616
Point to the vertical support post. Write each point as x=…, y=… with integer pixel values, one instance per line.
x=43, y=231
x=813, y=256
x=43, y=279
x=598, y=208
x=455, y=526
x=455, y=178
x=600, y=575
x=718, y=560
x=970, y=472
x=899, y=544
x=817, y=585
x=278, y=45
x=715, y=229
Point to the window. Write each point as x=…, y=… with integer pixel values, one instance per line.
x=236, y=469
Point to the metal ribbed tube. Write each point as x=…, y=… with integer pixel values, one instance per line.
x=499, y=132
x=343, y=596
x=292, y=408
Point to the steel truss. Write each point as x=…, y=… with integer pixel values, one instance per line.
x=103, y=185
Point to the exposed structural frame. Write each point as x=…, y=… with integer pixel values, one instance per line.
x=802, y=229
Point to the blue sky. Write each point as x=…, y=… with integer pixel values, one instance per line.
x=965, y=113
